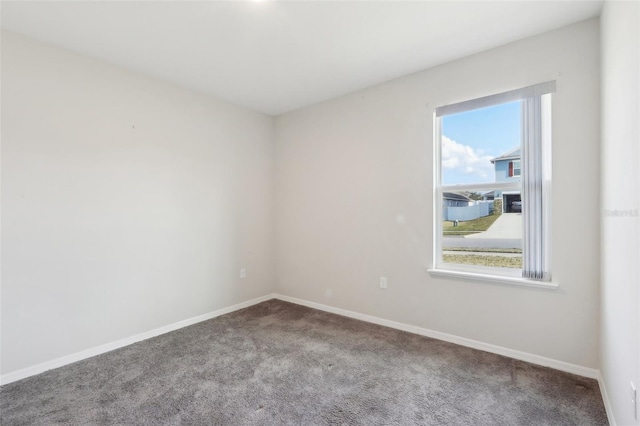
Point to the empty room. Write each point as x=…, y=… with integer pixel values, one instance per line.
x=320, y=212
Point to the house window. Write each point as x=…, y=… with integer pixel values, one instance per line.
x=514, y=168
x=492, y=186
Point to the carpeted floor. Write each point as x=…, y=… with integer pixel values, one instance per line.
x=277, y=363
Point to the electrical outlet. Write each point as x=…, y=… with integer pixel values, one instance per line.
x=383, y=282
x=634, y=400
x=243, y=273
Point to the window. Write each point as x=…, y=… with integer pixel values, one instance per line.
x=492, y=177
x=514, y=168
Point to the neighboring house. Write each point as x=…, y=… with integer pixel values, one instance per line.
x=508, y=169
x=489, y=196
x=451, y=199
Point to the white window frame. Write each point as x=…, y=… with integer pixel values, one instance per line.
x=519, y=168
x=483, y=273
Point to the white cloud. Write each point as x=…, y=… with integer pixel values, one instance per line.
x=466, y=161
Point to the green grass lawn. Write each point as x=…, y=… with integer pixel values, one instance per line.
x=471, y=259
x=469, y=227
x=484, y=250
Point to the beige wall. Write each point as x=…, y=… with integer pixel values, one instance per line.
x=127, y=204
x=354, y=201
x=620, y=189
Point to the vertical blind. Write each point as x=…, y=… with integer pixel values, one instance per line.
x=536, y=185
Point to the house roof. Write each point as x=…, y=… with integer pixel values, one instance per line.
x=454, y=196
x=511, y=155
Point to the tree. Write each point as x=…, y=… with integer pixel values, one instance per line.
x=475, y=196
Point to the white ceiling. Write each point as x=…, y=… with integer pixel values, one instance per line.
x=274, y=56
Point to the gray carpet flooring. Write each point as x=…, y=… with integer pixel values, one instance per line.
x=277, y=363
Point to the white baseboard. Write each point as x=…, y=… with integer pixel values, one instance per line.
x=88, y=353
x=605, y=399
x=511, y=353
x=523, y=356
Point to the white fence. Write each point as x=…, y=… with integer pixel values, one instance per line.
x=480, y=209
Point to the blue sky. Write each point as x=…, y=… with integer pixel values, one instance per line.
x=470, y=139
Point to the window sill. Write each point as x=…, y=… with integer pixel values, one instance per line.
x=446, y=273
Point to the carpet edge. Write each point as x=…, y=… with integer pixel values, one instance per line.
x=107, y=347
x=579, y=370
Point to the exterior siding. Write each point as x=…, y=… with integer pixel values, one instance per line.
x=502, y=172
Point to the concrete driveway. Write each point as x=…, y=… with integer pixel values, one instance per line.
x=506, y=232
x=508, y=225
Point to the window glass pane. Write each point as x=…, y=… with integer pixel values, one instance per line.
x=478, y=145
x=482, y=228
